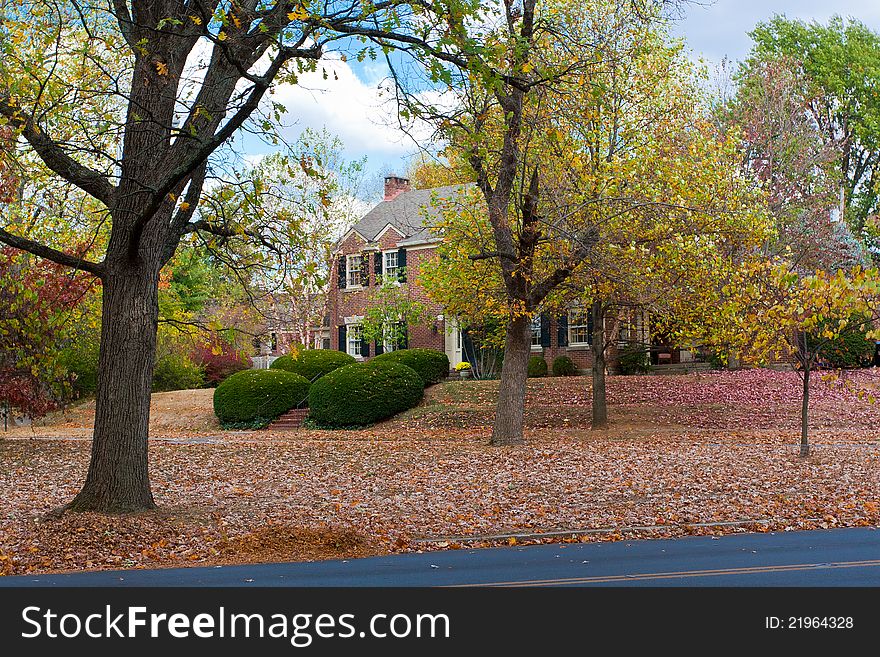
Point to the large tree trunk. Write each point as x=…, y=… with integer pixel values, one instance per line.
x=508, y=429
x=118, y=477
x=805, y=410
x=600, y=407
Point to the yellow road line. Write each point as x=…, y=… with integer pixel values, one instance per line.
x=688, y=573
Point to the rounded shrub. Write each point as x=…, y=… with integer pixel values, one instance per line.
x=313, y=363
x=537, y=366
x=254, y=398
x=432, y=365
x=363, y=393
x=564, y=366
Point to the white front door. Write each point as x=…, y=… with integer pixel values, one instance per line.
x=453, y=342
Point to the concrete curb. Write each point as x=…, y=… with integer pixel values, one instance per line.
x=527, y=536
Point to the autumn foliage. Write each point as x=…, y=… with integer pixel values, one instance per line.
x=219, y=359
x=37, y=299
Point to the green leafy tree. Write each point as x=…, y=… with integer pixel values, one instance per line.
x=140, y=140
x=838, y=69
x=391, y=309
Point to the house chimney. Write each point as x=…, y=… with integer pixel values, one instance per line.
x=395, y=186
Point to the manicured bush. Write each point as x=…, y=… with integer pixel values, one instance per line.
x=634, y=359
x=432, y=365
x=175, y=371
x=254, y=398
x=537, y=366
x=363, y=393
x=313, y=363
x=564, y=366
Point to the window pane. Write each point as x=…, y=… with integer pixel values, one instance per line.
x=579, y=326
x=355, y=263
x=354, y=333
x=391, y=264
x=536, y=331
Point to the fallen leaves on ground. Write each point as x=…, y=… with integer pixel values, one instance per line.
x=266, y=496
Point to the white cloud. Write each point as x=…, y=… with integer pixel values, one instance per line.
x=362, y=114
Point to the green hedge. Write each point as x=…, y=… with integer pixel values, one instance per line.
x=537, y=366
x=432, y=365
x=254, y=398
x=313, y=363
x=564, y=366
x=360, y=394
x=80, y=358
x=177, y=372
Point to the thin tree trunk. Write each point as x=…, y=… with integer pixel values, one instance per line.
x=118, y=476
x=508, y=429
x=600, y=407
x=805, y=410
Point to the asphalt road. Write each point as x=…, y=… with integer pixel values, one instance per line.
x=838, y=557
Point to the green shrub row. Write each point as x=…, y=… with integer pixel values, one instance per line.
x=431, y=365
x=254, y=398
x=564, y=366
x=537, y=366
x=363, y=393
x=313, y=363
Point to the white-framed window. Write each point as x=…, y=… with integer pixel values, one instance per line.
x=354, y=336
x=389, y=265
x=580, y=327
x=388, y=342
x=354, y=265
x=536, y=332
x=630, y=329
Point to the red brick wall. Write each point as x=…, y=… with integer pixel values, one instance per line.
x=349, y=303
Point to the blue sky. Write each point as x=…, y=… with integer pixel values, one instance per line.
x=351, y=105
x=718, y=29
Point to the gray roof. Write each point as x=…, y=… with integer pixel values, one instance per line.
x=412, y=213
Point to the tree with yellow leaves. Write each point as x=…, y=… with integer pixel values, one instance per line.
x=598, y=180
x=768, y=312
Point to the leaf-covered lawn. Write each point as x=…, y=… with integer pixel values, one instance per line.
x=260, y=496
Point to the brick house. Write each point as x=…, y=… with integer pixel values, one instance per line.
x=395, y=238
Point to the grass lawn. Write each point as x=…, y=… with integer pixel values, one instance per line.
x=683, y=453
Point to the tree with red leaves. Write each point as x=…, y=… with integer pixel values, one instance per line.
x=37, y=300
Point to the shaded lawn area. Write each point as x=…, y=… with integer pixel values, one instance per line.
x=708, y=448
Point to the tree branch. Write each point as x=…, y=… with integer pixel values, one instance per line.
x=49, y=253
x=88, y=180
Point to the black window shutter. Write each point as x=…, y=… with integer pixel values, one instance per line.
x=377, y=265
x=590, y=327
x=365, y=269
x=562, y=330
x=365, y=348
x=380, y=349
x=401, y=265
x=468, y=350
x=545, y=330
x=342, y=345
x=340, y=274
